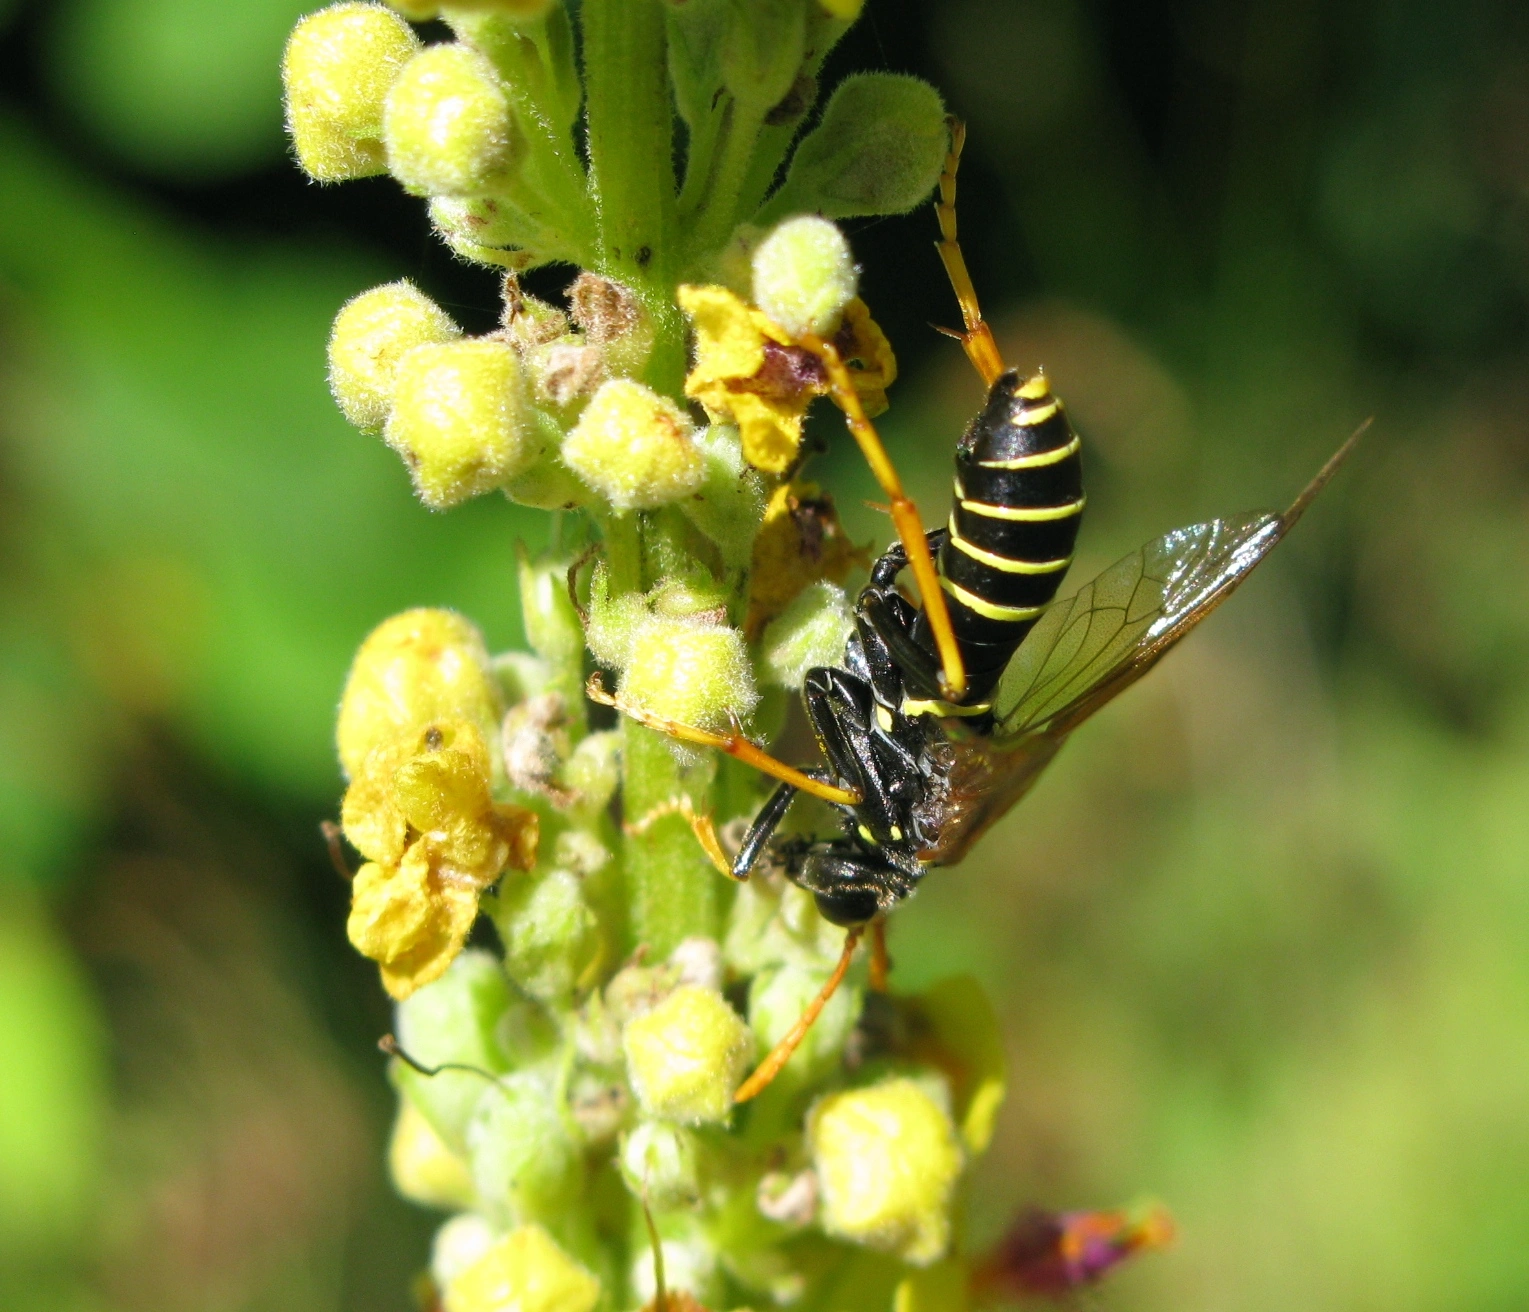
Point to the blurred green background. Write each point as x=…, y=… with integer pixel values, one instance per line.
x=1258, y=940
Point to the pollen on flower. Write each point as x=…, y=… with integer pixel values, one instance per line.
x=635, y=447
x=371, y=335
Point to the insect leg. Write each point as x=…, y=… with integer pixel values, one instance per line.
x=780, y=1054
x=920, y=672
x=763, y=829
x=881, y=963
x=977, y=341
x=734, y=744
x=700, y=825
x=904, y=513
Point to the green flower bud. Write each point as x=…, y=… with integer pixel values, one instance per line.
x=525, y=1162
x=546, y=485
x=420, y=666
x=459, y=421
x=594, y=770
x=487, y=230
x=371, y=334
x=613, y=620
x=878, y=149
x=458, y=1244
x=424, y=1169
x=687, y=1055
x=635, y=447
x=698, y=674
x=417, y=11
x=729, y=504
x=467, y=1017
x=661, y=1165
x=887, y=1159
x=551, y=936
x=777, y=999
x=811, y=631
x=762, y=50
x=524, y=1272
x=337, y=68
x=551, y=623
x=447, y=124
x=804, y=276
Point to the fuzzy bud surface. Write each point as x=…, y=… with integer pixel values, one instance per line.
x=371, y=334
x=887, y=1159
x=635, y=448
x=804, y=276
x=447, y=124
x=687, y=1055
x=458, y=420
x=336, y=71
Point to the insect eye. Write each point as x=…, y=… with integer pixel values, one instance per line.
x=851, y=906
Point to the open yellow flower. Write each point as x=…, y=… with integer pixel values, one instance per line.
x=747, y=371
x=421, y=810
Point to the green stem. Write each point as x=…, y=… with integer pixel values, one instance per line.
x=631, y=138
x=713, y=222
x=528, y=60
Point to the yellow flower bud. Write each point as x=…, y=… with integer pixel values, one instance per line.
x=414, y=668
x=424, y=1169
x=371, y=334
x=687, y=1056
x=447, y=124
x=635, y=447
x=695, y=673
x=459, y=420
x=804, y=276
x=524, y=1272
x=887, y=1160
x=337, y=68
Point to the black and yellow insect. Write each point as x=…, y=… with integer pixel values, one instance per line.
x=941, y=716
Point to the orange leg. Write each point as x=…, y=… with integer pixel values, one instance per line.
x=977, y=340
x=904, y=513
x=734, y=744
x=881, y=963
x=700, y=825
x=780, y=1054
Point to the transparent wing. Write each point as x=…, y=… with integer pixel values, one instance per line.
x=1112, y=630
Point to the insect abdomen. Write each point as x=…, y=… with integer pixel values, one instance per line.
x=1018, y=503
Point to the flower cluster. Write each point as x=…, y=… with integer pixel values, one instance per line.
x=570, y=1096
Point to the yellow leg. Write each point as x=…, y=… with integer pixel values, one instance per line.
x=734, y=744
x=700, y=825
x=780, y=1054
x=977, y=340
x=904, y=513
